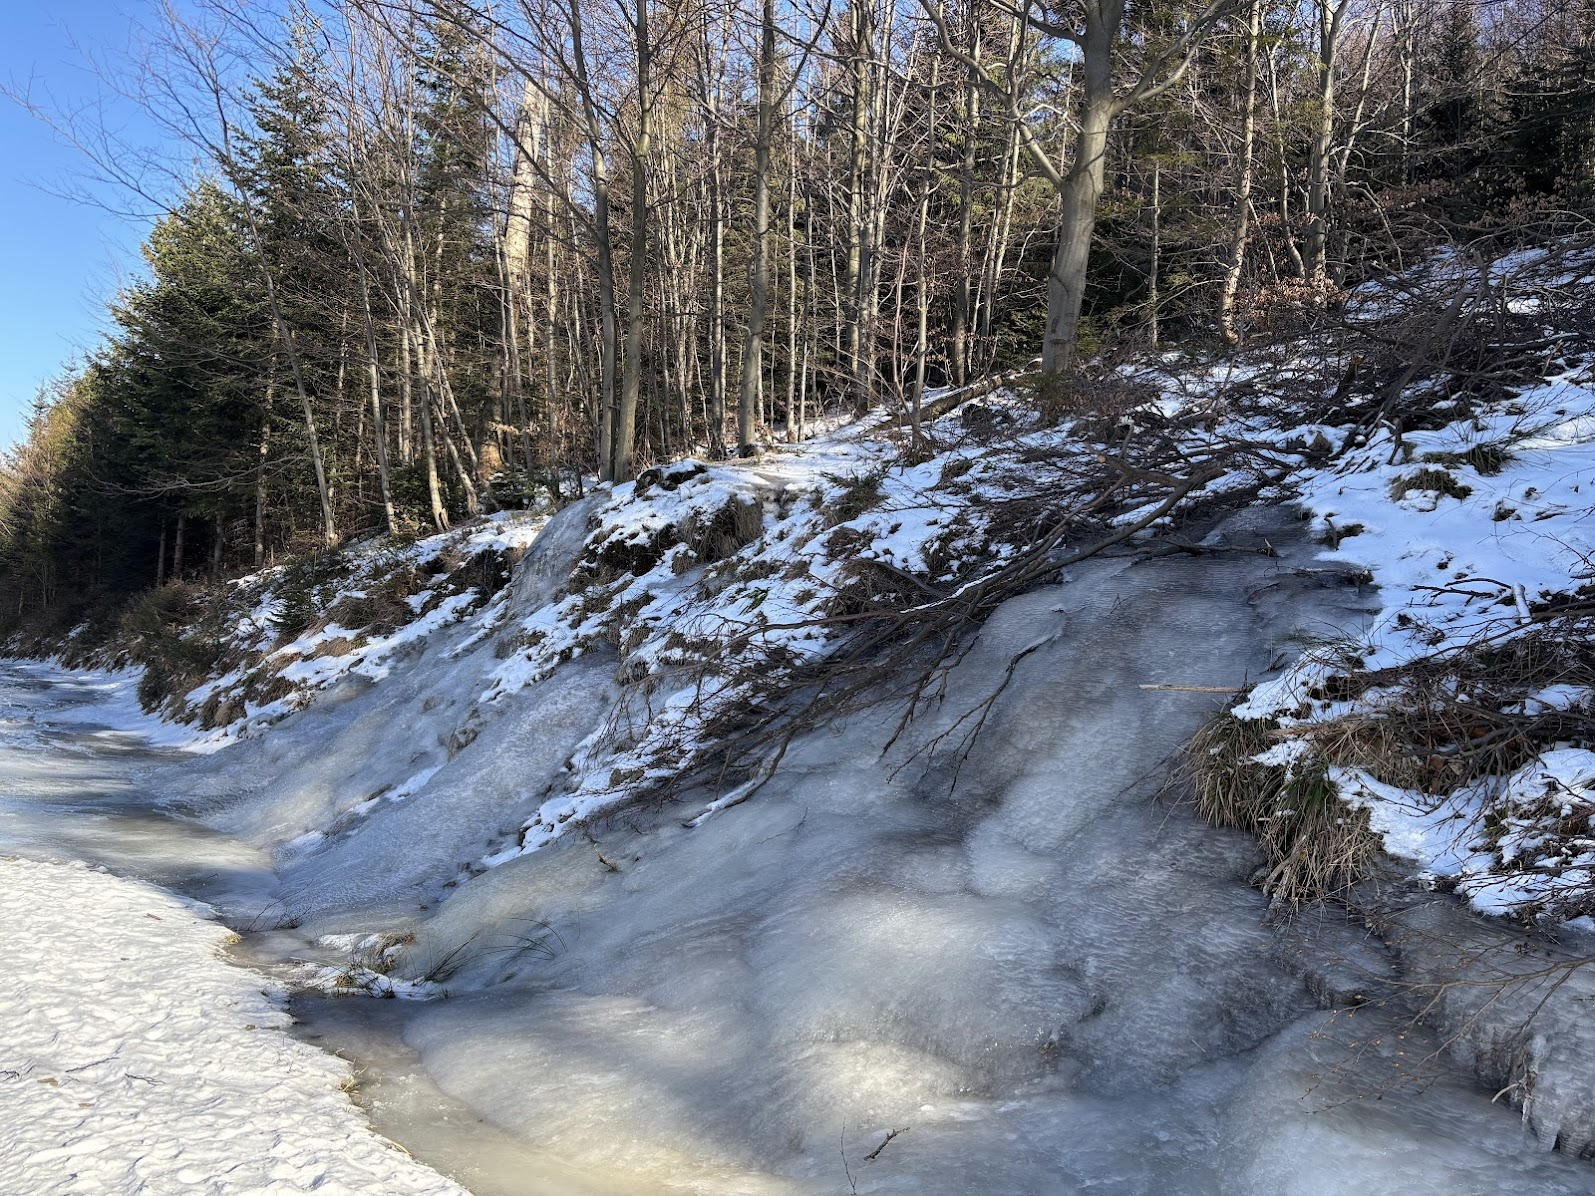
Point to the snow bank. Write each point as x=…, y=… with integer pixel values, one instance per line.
x=1468, y=530
x=137, y=1061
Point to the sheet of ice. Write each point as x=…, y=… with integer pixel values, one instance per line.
x=106, y=705
x=1053, y=984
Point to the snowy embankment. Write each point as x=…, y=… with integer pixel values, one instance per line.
x=704, y=585
x=687, y=941
x=138, y=1061
x=1462, y=723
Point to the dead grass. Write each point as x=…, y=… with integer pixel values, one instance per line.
x=178, y=634
x=1486, y=459
x=381, y=607
x=1429, y=481
x=859, y=493
x=725, y=532
x=1314, y=846
x=1434, y=725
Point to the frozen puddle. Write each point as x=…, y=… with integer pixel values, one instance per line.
x=133, y=1057
x=403, y=1101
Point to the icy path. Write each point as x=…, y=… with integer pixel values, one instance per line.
x=136, y=1060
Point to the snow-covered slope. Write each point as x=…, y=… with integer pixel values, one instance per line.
x=716, y=957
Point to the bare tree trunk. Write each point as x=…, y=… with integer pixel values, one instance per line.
x=1405, y=21
x=551, y=332
x=610, y=347
x=1235, y=262
x=260, y=471
x=884, y=125
x=810, y=274
x=857, y=214
x=1280, y=148
x=792, y=419
x=329, y=528
x=716, y=413
x=1153, y=298
x=434, y=491
x=1331, y=15
x=379, y=431
x=963, y=289
x=406, y=395
x=759, y=292
x=516, y=257
x=922, y=283
x=994, y=259
x=625, y=431
x=1080, y=189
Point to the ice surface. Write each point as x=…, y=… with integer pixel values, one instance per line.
x=137, y=1061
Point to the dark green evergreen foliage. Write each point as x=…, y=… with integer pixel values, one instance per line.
x=182, y=375
x=1451, y=115
x=1550, y=120
x=289, y=168
x=305, y=591
x=159, y=425
x=1504, y=119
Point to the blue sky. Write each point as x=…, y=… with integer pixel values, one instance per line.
x=60, y=260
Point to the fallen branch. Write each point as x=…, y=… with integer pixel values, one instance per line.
x=1191, y=689
x=942, y=404
x=875, y=1154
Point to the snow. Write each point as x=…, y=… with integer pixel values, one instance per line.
x=328, y=654
x=1457, y=561
x=108, y=708
x=138, y=1061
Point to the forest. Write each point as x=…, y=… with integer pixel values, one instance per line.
x=432, y=258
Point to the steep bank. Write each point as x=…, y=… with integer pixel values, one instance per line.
x=676, y=920
x=1048, y=977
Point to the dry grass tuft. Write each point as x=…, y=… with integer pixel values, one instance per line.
x=1314, y=846
x=1429, y=481
x=731, y=528
x=1487, y=459
x=1431, y=726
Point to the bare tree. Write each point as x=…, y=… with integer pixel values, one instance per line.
x=1093, y=27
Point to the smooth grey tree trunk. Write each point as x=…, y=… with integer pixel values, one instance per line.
x=1331, y=17
x=1235, y=261
x=759, y=290
x=625, y=431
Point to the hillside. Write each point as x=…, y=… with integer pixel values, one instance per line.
x=757, y=800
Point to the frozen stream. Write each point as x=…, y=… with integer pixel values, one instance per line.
x=1050, y=983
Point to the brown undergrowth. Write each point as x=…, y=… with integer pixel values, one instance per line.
x=1461, y=720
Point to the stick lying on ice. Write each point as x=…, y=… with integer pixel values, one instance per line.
x=1194, y=689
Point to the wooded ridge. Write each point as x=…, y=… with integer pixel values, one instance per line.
x=440, y=258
